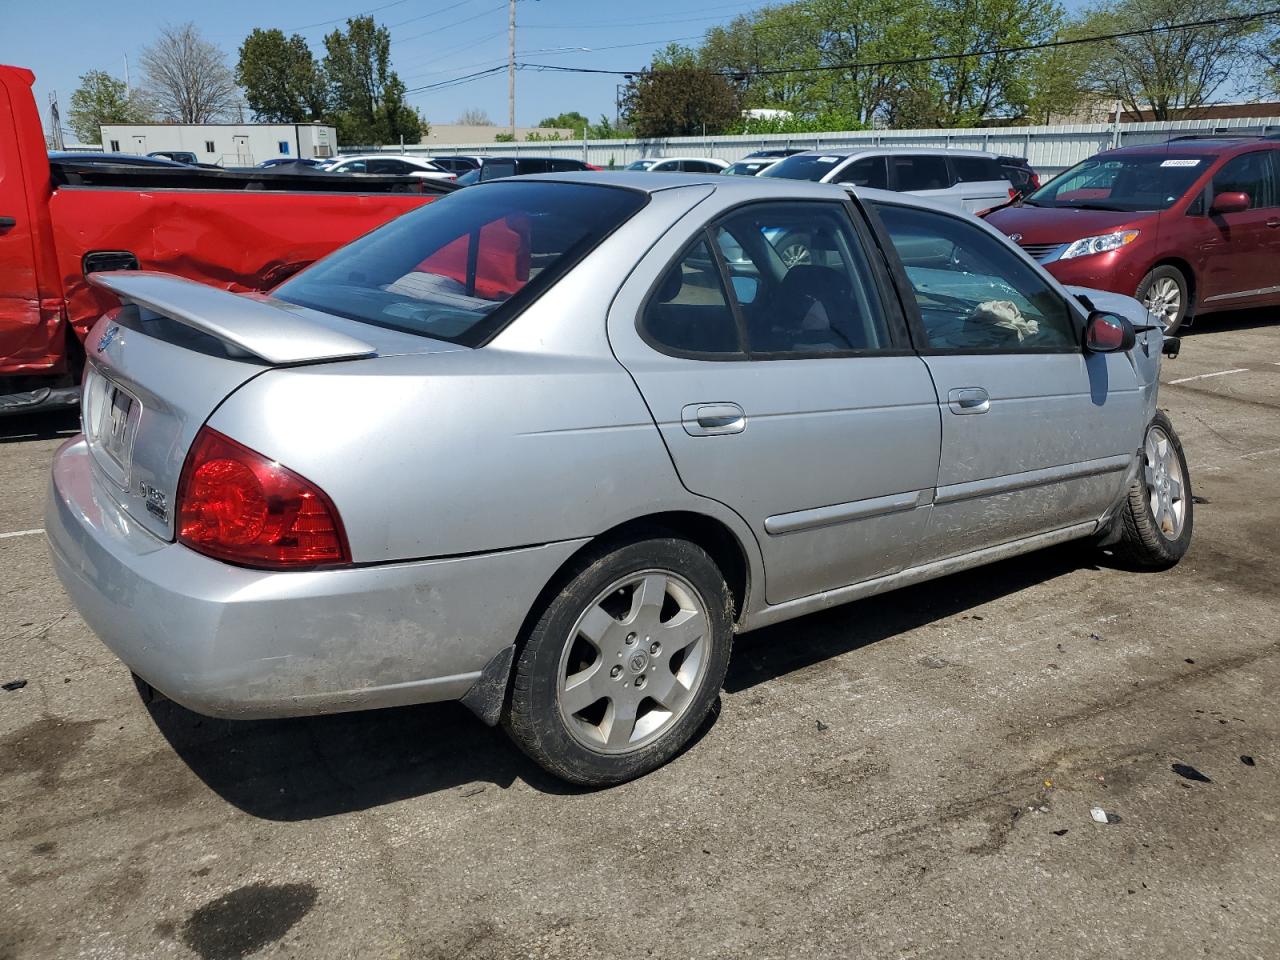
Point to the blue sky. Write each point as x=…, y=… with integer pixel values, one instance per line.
x=432, y=40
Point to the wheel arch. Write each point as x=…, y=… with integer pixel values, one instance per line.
x=1188, y=273
x=491, y=694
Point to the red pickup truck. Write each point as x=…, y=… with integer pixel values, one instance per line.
x=239, y=230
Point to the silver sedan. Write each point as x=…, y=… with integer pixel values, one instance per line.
x=545, y=445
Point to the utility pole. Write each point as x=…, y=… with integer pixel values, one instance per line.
x=511, y=68
x=126, y=73
x=55, y=121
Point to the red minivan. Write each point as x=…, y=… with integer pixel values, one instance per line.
x=1189, y=226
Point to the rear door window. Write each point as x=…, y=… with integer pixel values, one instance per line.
x=867, y=172
x=688, y=312
x=920, y=172
x=975, y=170
x=496, y=169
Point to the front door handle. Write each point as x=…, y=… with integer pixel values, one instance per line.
x=1273, y=223
x=8, y=223
x=712, y=419
x=965, y=400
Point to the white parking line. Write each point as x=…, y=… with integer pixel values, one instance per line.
x=1206, y=376
x=21, y=533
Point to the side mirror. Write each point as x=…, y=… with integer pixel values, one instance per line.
x=1231, y=202
x=745, y=289
x=1108, y=333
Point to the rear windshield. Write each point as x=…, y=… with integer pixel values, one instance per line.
x=458, y=268
x=1135, y=183
x=805, y=166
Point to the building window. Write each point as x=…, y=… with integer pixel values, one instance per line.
x=208, y=146
x=115, y=146
x=283, y=147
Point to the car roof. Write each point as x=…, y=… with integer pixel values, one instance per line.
x=1195, y=146
x=751, y=187
x=897, y=151
x=380, y=156
x=699, y=159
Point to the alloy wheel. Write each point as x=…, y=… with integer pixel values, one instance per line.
x=1164, y=299
x=632, y=664
x=1166, y=485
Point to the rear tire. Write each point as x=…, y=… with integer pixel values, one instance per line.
x=1165, y=292
x=1156, y=517
x=624, y=664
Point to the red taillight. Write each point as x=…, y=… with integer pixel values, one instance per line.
x=1013, y=194
x=237, y=505
x=1035, y=181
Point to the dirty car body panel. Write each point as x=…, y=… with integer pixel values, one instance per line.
x=478, y=421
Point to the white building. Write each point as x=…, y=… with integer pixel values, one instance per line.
x=226, y=144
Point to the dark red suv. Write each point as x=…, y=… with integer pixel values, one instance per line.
x=1189, y=227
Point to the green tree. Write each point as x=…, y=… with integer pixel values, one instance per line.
x=606, y=129
x=1156, y=74
x=281, y=79
x=366, y=96
x=99, y=99
x=680, y=101
x=571, y=120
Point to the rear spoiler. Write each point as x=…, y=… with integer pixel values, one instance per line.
x=274, y=334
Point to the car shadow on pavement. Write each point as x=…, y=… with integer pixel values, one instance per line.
x=308, y=767
x=39, y=426
x=767, y=654
x=1235, y=320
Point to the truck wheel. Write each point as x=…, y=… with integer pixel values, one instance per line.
x=624, y=664
x=1164, y=292
x=1156, y=516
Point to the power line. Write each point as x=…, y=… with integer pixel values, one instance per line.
x=449, y=26
x=363, y=13
x=934, y=58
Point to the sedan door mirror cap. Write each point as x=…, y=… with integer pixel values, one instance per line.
x=1108, y=333
x=1233, y=201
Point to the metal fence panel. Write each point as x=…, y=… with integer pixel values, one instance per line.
x=1050, y=149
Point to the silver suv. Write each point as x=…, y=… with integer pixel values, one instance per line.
x=966, y=179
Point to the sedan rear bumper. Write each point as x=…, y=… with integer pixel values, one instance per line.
x=238, y=643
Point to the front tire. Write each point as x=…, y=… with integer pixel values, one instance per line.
x=1165, y=292
x=1156, y=516
x=624, y=664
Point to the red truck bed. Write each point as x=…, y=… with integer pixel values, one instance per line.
x=240, y=231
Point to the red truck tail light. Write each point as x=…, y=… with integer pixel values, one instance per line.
x=236, y=505
x=1013, y=194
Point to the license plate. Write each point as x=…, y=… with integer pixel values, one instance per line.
x=111, y=421
x=116, y=435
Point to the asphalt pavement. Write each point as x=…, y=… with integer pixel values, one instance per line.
x=910, y=776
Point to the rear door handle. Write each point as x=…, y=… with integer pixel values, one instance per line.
x=965, y=400
x=8, y=223
x=712, y=419
x=1273, y=223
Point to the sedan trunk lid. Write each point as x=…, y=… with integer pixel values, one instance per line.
x=158, y=368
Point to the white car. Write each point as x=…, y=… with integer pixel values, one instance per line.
x=679, y=165
x=396, y=165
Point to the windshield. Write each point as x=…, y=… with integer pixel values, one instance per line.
x=640, y=164
x=804, y=166
x=468, y=178
x=1136, y=183
x=457, y=268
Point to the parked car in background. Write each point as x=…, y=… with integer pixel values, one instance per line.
x=1020, y=173
x=257, y=523
x=457, y=164
x=496, y=168
x=177, y=156
x=395, y=164
x=1189, y=227
x=678, y=165
x=966, y=179
x=296, y=161
x=776, y=153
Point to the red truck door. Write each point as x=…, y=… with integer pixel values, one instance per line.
x=31, y=328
